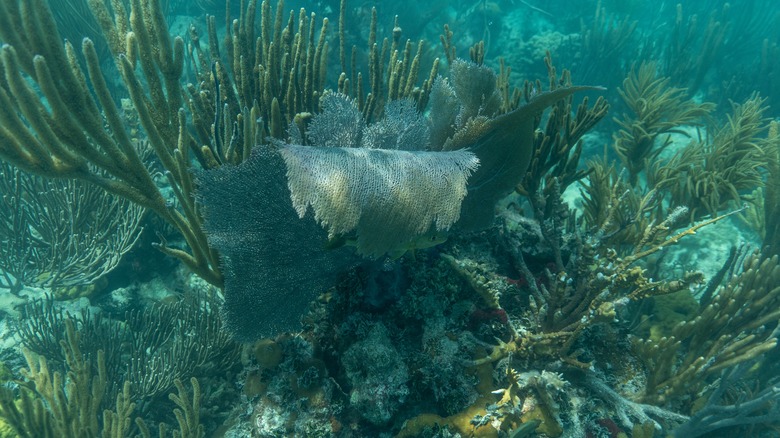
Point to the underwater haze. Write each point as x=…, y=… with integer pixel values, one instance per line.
x=375, y=219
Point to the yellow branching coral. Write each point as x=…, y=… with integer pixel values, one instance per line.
x=734, y=328
x=586, y=280
x=59, y=405
x=75, y=403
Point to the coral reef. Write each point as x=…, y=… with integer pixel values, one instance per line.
x=377, y=375
x=382, y=200
x=140, y=355
x=408, y=246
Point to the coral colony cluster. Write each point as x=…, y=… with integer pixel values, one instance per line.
x=330, y=234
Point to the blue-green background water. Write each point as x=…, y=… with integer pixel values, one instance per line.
x=576, y=312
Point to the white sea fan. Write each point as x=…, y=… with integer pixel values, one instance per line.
x=375, y=181
x=475, y=86
x=339, y=124
x=402, y=127
x=444, y=109
x=387, y=197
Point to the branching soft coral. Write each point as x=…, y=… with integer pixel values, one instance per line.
x=736, y=326
x=707, y=175
x=657, y=109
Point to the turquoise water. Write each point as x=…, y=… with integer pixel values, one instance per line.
x=389, y=219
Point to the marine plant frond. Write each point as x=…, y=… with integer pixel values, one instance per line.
x=558, y=142
x=771, y=200
x=708, y=175
x=657, y=109
x=692, y=49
